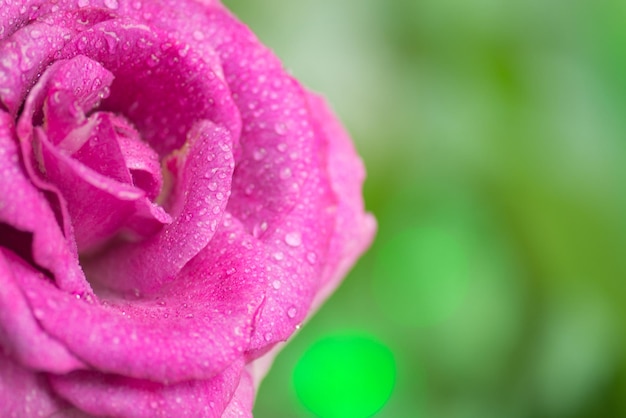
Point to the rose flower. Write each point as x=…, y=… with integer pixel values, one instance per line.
x=172, y=205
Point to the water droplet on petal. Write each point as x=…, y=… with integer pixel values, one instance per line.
x=198, y=35
x=152, y=61
x=285, y=173
x=111, y=4
x=279, y=256
x=280, y=128
x=259, y=154
x=291, y=312
x=276, y=284
x=293, y=239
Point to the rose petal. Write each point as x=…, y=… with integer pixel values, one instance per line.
x=156, y=81
x=25, y=208
x=24, y=393
x=95, y=145
x=240, y=405
x=119, y=396
x=98, y=206
x=141, y=160
x=30, y=49
x=280, y=187
x=354, y=228
x=98, y=203
x=19, y=332
x=192, y=328
x=203, y=171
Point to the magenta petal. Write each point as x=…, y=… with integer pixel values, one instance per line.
x=23, y=57
x=98, y=206
x=25, y=208
x=156, y=81
x=95, y=145
x=118, y=396
x=354, y=228
x=277, y=138
x=281, y=190
x=20, y=334
x=202, y=172
x=240, y=405
x=193, y=328
x=73, y=88
x=140, y=159
x=24, y=393
x=30, y=49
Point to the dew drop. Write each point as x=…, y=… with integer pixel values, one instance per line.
x=276, y=284
x=259, y=229
x=278, y=256
x=311, y=257
x=268, y=336
x=152, y=61
x=293, y=239
x=280, y=128
x=259, y=154
x=212, y=186
x=291, y=312
x=285, y=173
x=111, y=4
x=97, y=82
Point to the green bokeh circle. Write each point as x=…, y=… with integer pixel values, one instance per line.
x=347, y=376
x=422, y=273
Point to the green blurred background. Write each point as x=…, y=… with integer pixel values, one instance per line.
x=494, y=134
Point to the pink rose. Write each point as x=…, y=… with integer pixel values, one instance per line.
x=172, y=205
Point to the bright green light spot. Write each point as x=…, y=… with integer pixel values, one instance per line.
x=347, y=376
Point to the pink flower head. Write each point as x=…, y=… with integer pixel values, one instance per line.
x=172, y=205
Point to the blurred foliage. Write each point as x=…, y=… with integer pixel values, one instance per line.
x=495, y=140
